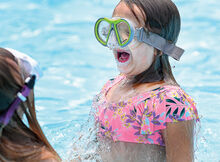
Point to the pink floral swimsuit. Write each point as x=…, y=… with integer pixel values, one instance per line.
x=141, y=118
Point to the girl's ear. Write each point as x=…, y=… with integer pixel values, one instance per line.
x=157, y=52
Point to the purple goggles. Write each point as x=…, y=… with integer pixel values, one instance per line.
x=21, y=97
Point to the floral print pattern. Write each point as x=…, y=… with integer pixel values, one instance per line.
x=141, y=118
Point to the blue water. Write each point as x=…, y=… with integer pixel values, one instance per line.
x=59, y=34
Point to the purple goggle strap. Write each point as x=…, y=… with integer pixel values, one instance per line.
x=21, y=97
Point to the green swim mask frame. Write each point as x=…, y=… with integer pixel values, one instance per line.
x=113, y=25
x=102, y=34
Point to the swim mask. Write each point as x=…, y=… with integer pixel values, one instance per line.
x=29, y=64
x=115, y=33
x=8, y=105
x=21, y=97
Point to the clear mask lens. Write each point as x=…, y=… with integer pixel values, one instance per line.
x=103, y=30
x=123, y=31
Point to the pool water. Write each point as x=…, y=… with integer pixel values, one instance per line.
x=59, y=35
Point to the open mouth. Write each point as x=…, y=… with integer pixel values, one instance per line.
x=122, y=56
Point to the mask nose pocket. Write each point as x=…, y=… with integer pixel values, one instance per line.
x=112, y=41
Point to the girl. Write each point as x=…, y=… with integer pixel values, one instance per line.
x=18, y=141
x=143, y=114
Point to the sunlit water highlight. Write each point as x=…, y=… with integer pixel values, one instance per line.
x=59, y=34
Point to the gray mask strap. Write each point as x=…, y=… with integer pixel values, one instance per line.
x=159, y=43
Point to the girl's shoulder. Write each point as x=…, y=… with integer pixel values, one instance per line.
x=168, y=99
x=165, y=92
x=176, y=93
x=167, y=104
x=175, y=103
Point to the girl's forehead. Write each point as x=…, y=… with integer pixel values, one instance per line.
x=123, y=11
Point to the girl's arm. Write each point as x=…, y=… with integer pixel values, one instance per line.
x=178, y=139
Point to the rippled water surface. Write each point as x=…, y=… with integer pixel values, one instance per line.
x=59, y=34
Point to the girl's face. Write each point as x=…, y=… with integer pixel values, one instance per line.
x=136, y=57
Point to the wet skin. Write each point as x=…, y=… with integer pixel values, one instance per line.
x=140, y=59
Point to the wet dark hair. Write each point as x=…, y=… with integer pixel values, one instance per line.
x=162, y=17
x=20, y=141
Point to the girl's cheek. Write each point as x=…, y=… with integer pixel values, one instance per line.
x=134, y=44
